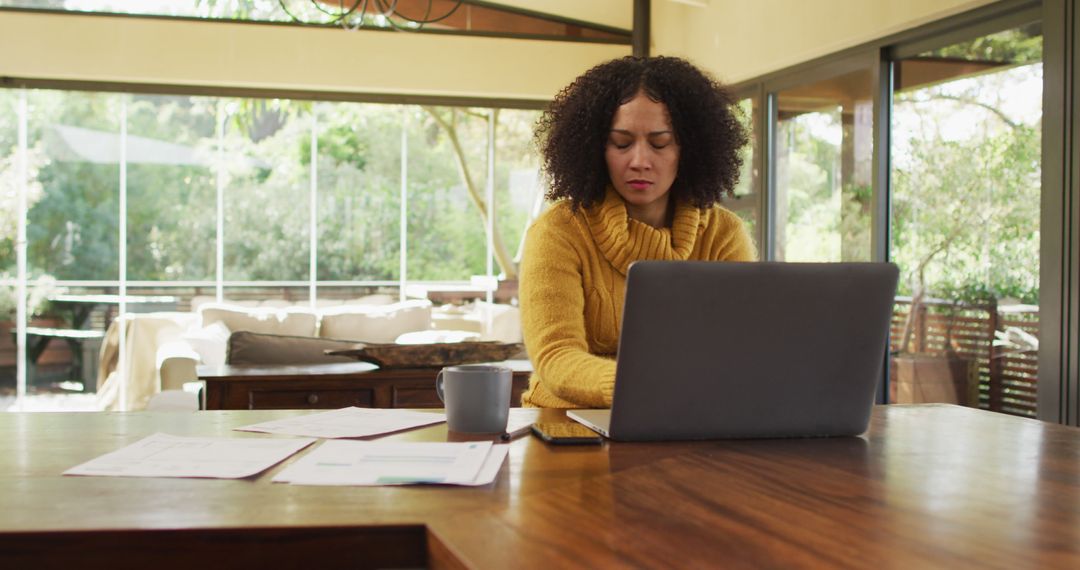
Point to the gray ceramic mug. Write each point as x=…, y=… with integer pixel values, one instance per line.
x=476, y=396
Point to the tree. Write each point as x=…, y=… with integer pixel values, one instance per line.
x=966, y=204
x=448, y=120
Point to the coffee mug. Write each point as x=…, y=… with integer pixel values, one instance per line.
x=476, y=396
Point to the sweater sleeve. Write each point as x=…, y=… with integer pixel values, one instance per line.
x=553, y=318
x=729, y=237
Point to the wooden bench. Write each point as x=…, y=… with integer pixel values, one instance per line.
x=38, y=339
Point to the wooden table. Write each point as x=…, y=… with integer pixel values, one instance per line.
x=928, y=486
x=329, y=386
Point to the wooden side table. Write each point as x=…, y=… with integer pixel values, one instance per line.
x=330, y=386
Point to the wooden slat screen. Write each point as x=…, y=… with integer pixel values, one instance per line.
x=1007, y=379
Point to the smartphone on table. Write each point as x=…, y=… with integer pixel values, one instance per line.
x=566, y=433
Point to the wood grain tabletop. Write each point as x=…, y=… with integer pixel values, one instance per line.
x=926, y=486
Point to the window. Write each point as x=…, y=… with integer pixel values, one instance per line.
x=824, y=151
x=284, y=170
x=359, y=187
x=171, y=188
x=436, y=15
x=73, y=228
x=966, y=182
x=747, y=193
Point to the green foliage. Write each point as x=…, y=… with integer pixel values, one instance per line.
x=172, y=207
x=966, y=209
x=824, y=220
x=1021, y=46
x=342, y=143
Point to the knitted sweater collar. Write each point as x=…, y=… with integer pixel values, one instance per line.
x=622, y=240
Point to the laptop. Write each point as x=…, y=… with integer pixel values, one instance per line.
x=748, y=350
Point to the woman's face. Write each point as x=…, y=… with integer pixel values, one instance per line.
x=642, y=157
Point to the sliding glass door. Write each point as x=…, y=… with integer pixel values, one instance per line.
x=822, y=175
x=966, y=181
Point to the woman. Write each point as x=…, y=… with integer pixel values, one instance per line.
x=638, y=152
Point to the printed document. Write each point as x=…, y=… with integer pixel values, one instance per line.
x=164, y=455
x=347, y=422
x=396, y=463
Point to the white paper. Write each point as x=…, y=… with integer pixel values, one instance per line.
x=164, y=455
x=347, y=422
x=396, y=463
x=491, y=466
x=521, y=420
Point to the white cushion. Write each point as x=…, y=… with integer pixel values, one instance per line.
x=293, y=321
x=381, y=324
x=209, y=342
x=499, y=322
x=456, y=318
x=434, y=336
x=493, y=321
x=176, y=362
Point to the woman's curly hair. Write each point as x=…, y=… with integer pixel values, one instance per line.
x=573, y=131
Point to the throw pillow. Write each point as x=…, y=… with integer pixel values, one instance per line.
x=255, y=348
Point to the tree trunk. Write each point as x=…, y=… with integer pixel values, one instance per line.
x=502, y=257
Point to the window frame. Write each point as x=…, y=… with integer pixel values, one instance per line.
x=1059, y=300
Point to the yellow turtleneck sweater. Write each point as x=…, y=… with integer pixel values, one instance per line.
x=573, y=282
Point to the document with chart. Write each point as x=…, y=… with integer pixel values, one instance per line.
x=164, y=455
x=396, y=463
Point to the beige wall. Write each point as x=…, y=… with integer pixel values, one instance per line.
x=742, y=39
x=140, y=50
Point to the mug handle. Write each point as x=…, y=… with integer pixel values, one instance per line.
x=439, y=386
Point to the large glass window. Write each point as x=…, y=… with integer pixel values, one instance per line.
x=218, y=198
x=359, y=181
x=266, y=189
x=519, y=190
x=823, y=165
x=447, y=181
x=10, y=187
x=746, y=201
x=73, y=229
x=171, y=188
x=965, y=156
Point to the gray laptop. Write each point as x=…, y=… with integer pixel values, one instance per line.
x=741, y=350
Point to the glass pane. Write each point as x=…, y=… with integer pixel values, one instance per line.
x=965, y=228
x=359, y=174
x=447, y=240
x=9, y=212
x=267, y=190
x=73, y=228
x=406, y=14
x=9, y=191
x=746, y=202
x=172, y=196
x=824, y=154
x=748, y=176
x=519, y=189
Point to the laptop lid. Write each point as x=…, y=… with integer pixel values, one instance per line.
x=766, y=349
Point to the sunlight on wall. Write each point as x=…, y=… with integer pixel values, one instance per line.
x=739, y=40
